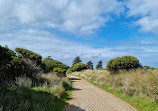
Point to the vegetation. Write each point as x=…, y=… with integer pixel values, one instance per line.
x=10, y=65
x=138, y=87
x=99, y=65
x=89, y=65
x=59, y=71
x=146, y=67
x=24, y=86
x=49, y=64
x=46, y=93
x=29, y=54
x=76, y=60
x=125, y=62
x=6, y=56
x=77, y=67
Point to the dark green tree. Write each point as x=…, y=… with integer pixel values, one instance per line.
x=89, y=65
x=99, y=65
x=76, y=60
x=124, y=62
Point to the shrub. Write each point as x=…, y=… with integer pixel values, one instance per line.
x=125, y=62
x=59, y=71
x=6, y=56
x=10, y=64
x=29, y=54
x=77, y=67
x=49, y=64
x=56, y=70
x=146, y=67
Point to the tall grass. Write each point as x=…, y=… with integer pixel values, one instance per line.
x=44, y=93
x=138, y=87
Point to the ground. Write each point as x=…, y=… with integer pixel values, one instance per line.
x=87, y=97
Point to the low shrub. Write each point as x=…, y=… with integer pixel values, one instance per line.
x=125, y=62
x=77, y=67
x=60, y=71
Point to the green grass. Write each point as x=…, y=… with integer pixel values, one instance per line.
x=142, y=104
x=39, y=98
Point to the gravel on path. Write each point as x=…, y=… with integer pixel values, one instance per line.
x=87, y=97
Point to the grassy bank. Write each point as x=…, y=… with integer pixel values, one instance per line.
x=44, y=93
x=137, y=87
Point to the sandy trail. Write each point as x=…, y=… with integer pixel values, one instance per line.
x=86, y=97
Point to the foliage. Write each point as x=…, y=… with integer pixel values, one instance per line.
x=10, y=64
x=77, y=67
x=48, y=96
x=124, y=62
x=49, y=64
x=89, y=65
x=6, y=56
x=138, y=87
x=76, y=60
x=99, y=65
x=146, y=67
x=29, y=54
x=59, y=71
x=20, y=93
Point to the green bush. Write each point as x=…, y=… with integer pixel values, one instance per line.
x=6, y=56
x=59, y=71
x=77, y=67
x=29, y=54
x=49, y=64
x=125, y=62
x=10, y=64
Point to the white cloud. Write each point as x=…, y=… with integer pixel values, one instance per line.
x=76, y=16
x=47, y=44
x=146, y=10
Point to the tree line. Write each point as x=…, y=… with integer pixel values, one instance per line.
x=89, y=64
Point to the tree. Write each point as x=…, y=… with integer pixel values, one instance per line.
x=99, y=65
x=89, y=65
x=76, y=60
x=124, y=62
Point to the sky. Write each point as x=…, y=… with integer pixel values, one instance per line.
x=92, y=29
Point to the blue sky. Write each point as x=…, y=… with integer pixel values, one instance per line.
x=91, y=29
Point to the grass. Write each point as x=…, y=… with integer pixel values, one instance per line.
x=47, y=93
x=137, y=87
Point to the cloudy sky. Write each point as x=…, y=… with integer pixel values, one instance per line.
x=91, y=29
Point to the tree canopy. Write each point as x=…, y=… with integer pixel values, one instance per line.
x=89, y=65
x=76, y=60
x=99, y=65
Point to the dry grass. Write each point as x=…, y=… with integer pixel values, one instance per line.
x=142, y=84
x=56, y=83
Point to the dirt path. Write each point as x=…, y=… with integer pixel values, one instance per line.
x=86, y=97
